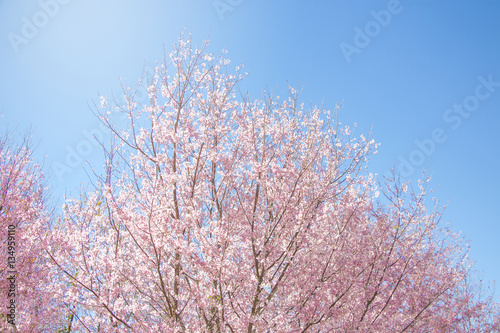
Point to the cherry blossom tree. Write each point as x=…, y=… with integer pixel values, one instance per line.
x=26, y=288
x=219, y=213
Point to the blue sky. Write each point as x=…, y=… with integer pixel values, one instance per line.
x=423, y=75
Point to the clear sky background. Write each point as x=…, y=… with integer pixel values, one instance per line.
x=423, y=75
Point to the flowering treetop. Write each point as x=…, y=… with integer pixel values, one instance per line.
x=218, y=213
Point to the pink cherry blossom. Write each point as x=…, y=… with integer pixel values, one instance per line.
x=220, y=213
x=27, y=278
